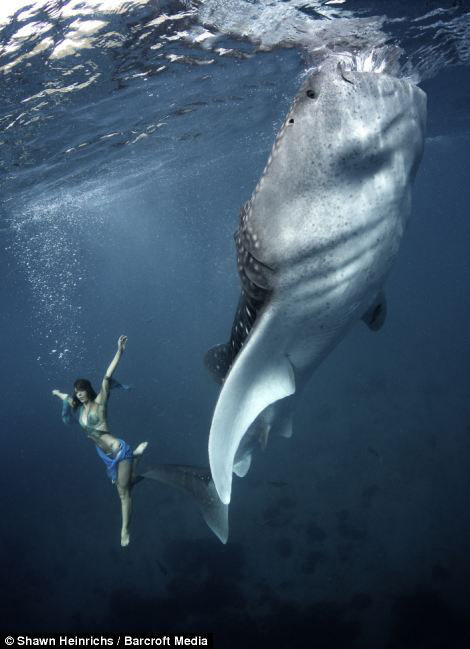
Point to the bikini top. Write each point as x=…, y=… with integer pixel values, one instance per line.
x=92, y=418
x=73, y=416
x=90, y=423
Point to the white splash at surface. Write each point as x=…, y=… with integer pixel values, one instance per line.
x=312, y=25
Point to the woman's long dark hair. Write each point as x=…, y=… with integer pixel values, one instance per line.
x=82, y=385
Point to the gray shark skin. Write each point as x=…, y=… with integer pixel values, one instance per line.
x=315, y=243
x=197, y=483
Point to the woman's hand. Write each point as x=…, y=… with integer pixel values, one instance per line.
x=122, y=342
x=58, y=393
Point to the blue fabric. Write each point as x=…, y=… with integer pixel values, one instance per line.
x=124, y=453
x=115, y=385
x=69, y=415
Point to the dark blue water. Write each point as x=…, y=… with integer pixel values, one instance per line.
x=125, y=159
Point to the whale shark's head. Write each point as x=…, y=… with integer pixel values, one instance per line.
x=344, y=128
x=347, y=119
x=352, y=106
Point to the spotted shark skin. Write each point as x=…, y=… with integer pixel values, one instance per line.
x=315, y=243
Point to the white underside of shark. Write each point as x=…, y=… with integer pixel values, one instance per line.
x=319, y=234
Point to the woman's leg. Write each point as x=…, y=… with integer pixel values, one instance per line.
x=123, y=484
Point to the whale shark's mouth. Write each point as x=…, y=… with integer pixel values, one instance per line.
x=384, y=59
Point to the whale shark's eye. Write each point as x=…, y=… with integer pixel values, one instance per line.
x=311, y=94
x=291, y=121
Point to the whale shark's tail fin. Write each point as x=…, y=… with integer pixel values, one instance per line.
x=198, y=483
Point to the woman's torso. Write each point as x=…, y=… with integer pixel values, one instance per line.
x=93, y=419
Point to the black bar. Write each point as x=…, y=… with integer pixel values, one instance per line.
x=115, y=640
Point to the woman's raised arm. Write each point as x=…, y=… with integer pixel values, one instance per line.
x=104, y=392
x=122, y=342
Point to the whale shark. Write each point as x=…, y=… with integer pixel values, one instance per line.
x=314, y=246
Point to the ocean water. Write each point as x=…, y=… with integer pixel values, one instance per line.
x=131, y=134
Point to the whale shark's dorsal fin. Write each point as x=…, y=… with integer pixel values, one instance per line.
x=257, y=379
x=375, y=315
x=198, y=483
x=217, y=360
x=256, y=280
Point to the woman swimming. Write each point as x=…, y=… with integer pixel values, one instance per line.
x=90, y=409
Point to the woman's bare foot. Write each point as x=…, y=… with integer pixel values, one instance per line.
x=140, y=449
x=125, y=538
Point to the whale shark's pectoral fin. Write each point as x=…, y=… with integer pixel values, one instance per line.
x=198, y=483
x=258, y=378
x=242, y=466
x=278, y=416
x=263, y=436
x=255, y=437
x=375, y=315
x=284, y=427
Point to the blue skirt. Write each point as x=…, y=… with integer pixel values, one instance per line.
x=124, y=453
